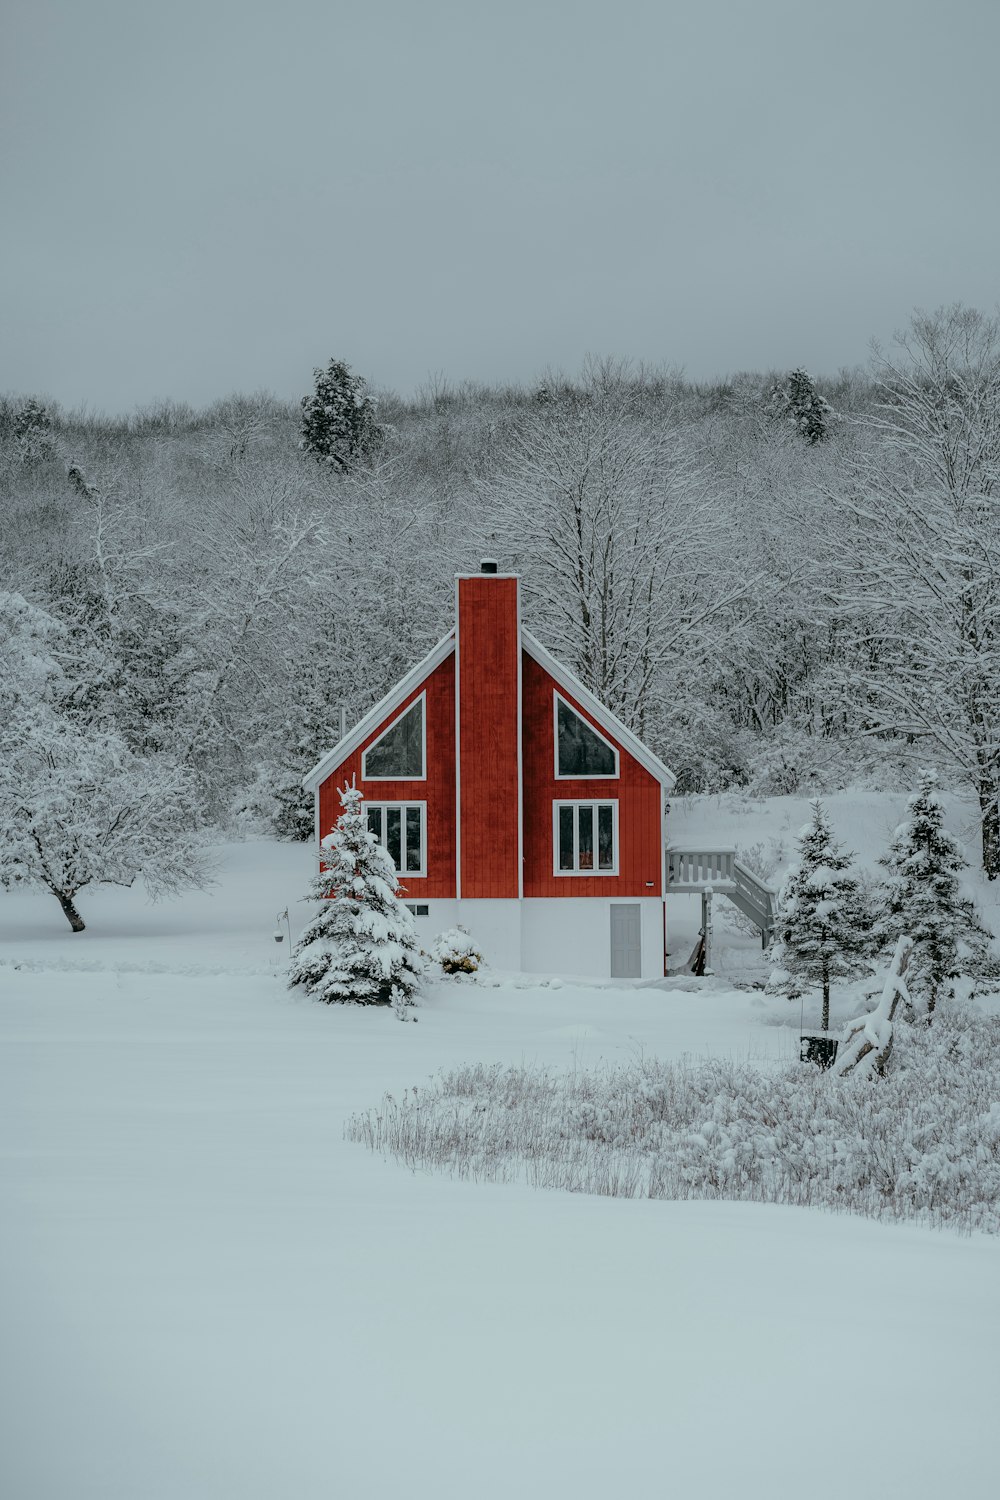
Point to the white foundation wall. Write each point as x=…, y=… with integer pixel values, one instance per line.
x=548, y=935
x=572, y=935
x=494, y=926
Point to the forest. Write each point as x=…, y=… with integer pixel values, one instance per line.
x=781, y=583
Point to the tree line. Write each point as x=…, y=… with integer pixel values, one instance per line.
x=781, y=583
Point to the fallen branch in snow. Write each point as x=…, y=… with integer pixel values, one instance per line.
x=867, y=1040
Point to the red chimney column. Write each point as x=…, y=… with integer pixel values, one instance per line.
x=488, y=731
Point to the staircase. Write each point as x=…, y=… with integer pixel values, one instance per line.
x=695, y=870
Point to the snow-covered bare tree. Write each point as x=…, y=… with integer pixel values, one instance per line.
x=623, y=551
x=922, y=896
x=78, y=806
x=916, y=539
x=255, y=580
x=821, y=928
x=361, y=945
x=110, y=592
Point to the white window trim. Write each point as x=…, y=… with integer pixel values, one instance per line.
x=383, y=806
x=576, y=804
x=420, y=698
x=558, y=698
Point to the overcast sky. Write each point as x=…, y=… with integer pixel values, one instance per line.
x=204, y=197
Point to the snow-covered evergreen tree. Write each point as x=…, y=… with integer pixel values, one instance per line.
x=338, y=419
x=797, y=399
x=361, y=946
x=822, y=929
x=33, y=431
x=924, y=899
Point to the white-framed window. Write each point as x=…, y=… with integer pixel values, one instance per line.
x=401, y=829
x=585, y=838
x=400, y=752
x=581, y=753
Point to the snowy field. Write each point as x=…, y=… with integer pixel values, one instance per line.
x=207, y=1292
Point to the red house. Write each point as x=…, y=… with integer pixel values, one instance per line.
x=511, y=800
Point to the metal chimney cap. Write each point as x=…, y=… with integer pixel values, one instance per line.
x=489, y=565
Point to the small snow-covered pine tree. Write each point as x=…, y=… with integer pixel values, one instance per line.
x=822, y=930
x=922, y=896
x=361, y=945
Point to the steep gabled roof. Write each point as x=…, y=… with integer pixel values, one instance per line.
x=597, y=710
x=373, y=718
x=565, y=679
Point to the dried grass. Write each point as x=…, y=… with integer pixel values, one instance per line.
x=922, y=1144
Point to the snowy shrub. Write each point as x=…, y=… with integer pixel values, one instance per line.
x=793, y=761
x=922, y=1143
x=455, y=951
x=707, y=753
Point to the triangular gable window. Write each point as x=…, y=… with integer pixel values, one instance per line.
x=398, y=753
x=580, y=750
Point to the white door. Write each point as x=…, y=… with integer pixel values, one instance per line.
x=626, y=942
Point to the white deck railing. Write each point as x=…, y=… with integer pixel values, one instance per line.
x=695, y=868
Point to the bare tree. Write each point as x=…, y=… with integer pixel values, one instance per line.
x=622, y=548
x=917, y=546
x=78, y=806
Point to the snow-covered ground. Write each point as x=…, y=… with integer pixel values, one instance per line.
x=206, y=1292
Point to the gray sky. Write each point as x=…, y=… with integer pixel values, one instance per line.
x=206, y=197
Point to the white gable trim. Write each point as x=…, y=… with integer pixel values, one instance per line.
x=607, y=720
x=374, y=717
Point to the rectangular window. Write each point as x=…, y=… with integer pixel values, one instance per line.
x=586, y=838
x=400, y=828
x=605, y=836
x=414, y=838
x=393, y=835
x=567, y=856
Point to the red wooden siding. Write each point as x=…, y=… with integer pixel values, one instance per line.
x=488, y=652
x=640, y=868
x=437, y=789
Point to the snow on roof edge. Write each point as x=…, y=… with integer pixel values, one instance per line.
x=562, y=675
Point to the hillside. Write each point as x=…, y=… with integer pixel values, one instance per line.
x=779, y=584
